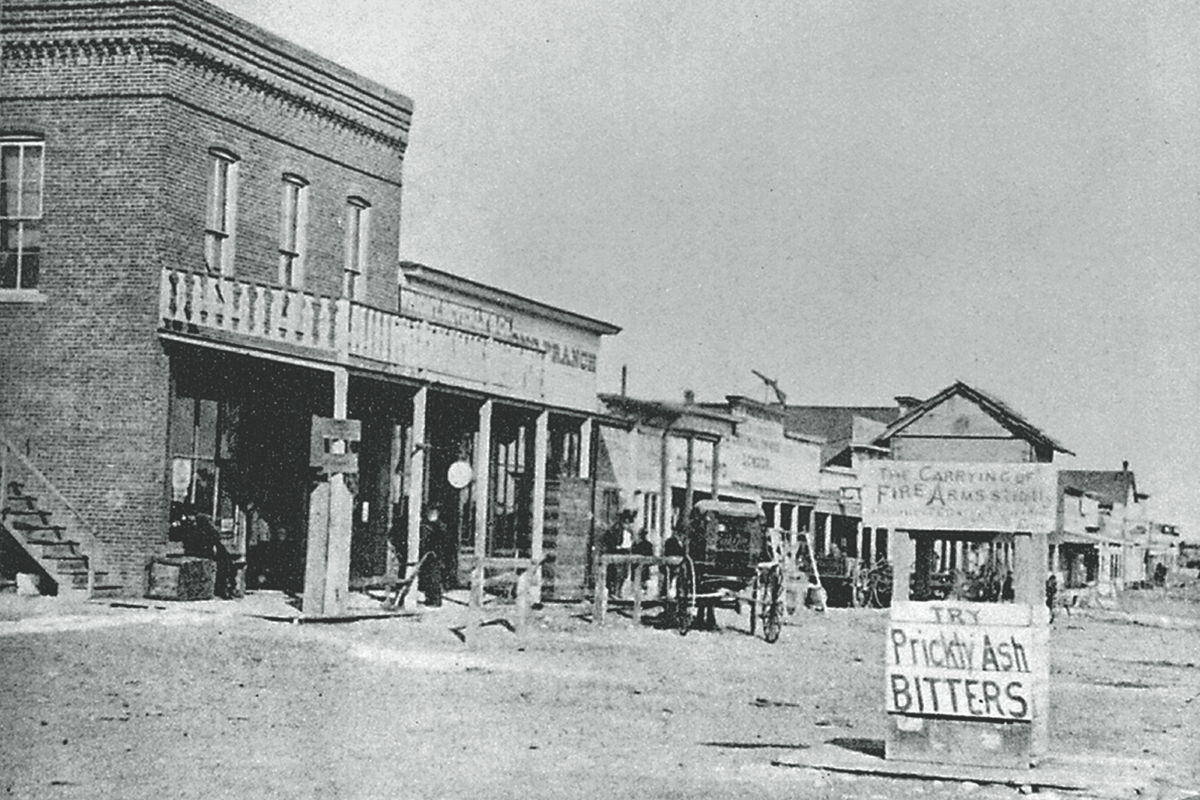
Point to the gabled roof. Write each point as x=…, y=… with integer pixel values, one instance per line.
x=995, y=407
x=1110, y=486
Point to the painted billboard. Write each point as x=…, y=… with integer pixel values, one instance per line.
x=944, y=496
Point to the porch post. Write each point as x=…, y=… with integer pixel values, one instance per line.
x=541, y=441
x=483, y=481
x=716, y=469
x=416, y=483
x=664, y=485
x=585, y=449
x=689, y=492
x=341, y=514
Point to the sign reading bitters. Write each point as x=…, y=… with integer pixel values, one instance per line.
x=966, y=660
x=922, y=495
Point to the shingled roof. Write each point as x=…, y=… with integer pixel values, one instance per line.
x=1110, y=486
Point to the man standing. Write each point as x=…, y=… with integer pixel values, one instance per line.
x=433, y=547
x=619, y=540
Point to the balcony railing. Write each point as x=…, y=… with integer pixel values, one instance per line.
x=198, y=303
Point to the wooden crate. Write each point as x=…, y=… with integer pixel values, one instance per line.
x=182, y=578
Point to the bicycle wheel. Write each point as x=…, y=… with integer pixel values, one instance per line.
x=685, y=596
x=773, y=611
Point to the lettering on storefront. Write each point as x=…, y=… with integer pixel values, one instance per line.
x=559, y=353
x=455, y=315
x=967, y=661
x=937, y=496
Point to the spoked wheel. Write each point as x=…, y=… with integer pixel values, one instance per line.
x=772, y=613
x=685, y=596
x=754, y=601
x=858, y=587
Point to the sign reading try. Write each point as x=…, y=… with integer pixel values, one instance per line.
x=922, y=495
x=965, y=660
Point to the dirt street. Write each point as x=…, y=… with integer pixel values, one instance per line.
x=203, y=700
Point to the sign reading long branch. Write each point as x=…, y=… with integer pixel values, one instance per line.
x=965, y=660
x=923, y=495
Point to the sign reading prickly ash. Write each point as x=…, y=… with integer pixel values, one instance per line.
x=984, y=662
x=923, y=495
x=967, y=660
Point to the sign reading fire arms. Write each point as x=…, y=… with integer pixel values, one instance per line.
x=964, y=660
x=922, y=495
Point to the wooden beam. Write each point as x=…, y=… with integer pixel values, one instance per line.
x=416, y=478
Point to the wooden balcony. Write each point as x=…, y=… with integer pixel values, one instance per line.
x=290, y=322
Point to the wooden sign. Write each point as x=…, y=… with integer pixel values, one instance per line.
x=329, y=447
x=966, y=682
x=936, y=496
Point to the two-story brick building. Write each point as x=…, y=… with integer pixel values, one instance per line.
x=199, y=256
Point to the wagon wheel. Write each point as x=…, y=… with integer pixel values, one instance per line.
x=858, y=587
x=754, y=588
x=685, y=596
x=879, y=584
x=772, y=610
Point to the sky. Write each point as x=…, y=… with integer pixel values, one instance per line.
x=858, y=199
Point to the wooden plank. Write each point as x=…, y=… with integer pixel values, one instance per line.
x=1083, y=773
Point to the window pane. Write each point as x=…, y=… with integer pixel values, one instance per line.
x=8, y=270
x=31, y=203
x=183, y=411
x=206, y=429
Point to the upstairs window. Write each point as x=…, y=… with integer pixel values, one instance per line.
x=358, y=217
x=222, y=212
x=292, y=221
x=21, y=172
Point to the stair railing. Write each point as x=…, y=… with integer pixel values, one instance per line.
x=82, y=532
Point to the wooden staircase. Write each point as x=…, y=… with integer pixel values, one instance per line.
x=63, y=556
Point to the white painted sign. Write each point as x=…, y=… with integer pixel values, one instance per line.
x=923, y=495
x=965, y=660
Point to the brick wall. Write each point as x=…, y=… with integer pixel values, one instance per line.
x=129, y=97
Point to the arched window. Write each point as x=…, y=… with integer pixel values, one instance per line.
x=222, y=211
x=358, y=218
x=292, y=223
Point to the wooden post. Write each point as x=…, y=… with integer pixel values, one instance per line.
x=689, y=491
x=541, y=442
x=416, y=484
x=664, y=483
x=636, y=572
x=341, y=513
x=902, y=550
x=317, y=550
x=483, y=483
x=585, y=449
x=600, y=604
x=716, y=469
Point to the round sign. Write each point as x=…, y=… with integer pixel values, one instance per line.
x=459, y=474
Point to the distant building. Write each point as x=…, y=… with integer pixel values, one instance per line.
x=1123, y=518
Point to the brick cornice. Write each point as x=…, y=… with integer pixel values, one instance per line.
x=151, y=50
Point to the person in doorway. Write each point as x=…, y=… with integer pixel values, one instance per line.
x=433, y=542
x=619, y=540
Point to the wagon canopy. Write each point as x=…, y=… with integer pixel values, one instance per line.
x=726, y=508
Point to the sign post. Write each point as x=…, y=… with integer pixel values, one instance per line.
x=966, y=682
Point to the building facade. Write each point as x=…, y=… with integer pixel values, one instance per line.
x=200, y=234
